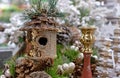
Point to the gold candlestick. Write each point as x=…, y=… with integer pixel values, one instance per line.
x=87, y=40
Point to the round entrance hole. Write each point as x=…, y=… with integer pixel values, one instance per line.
x=42, y=41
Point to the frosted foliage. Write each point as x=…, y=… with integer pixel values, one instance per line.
x=19, y=21
x=117, y=9
x=2, y=38
x=105, y=32
x=73, y=14
x=11, y=33
x=71, y=11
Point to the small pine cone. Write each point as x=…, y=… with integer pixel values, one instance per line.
x=17, y=70
x=33, y=68
x=21, y=68
x=26, y=71
x=27, y=76
x=30, y=64
x=21, y=75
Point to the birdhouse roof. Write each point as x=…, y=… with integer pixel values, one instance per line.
x=41, y=23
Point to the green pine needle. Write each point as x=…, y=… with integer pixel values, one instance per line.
x=37, y=7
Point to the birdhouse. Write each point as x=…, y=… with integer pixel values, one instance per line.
x=41, y=37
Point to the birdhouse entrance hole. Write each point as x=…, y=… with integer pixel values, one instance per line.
x=43, y=41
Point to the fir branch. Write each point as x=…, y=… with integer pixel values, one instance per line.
x=52, y=4
x=74, y=2
x=83, y=12
x=38, y=6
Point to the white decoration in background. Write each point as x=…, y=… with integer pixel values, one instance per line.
x=11, y=44
x=66, y=6
x=95, y=56
x=98, y=11
x=110, y=51
x=17, y=19
x=113, y=59
x=2, y=38
x=11, y=34
x=73, y=13
x=2, y=76
x=108, y=39
x=107, y=30
x=117, y=7
x=102, y=3
x=7, y=73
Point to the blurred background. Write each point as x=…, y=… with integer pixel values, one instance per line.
x=8, y=7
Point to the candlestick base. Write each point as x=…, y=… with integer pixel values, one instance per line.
x=87, y=66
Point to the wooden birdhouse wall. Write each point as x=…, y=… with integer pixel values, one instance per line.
x=45, y=43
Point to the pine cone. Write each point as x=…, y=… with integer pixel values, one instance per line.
x=63, y=35
x=25, y=66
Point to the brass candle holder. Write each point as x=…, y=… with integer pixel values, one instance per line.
x=87, y=39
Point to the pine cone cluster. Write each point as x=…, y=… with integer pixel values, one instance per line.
x=79, y=67
x=25, y=66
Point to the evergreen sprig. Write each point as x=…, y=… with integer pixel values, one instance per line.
x=38, y=7
x=83, y=12
x=74, y=2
